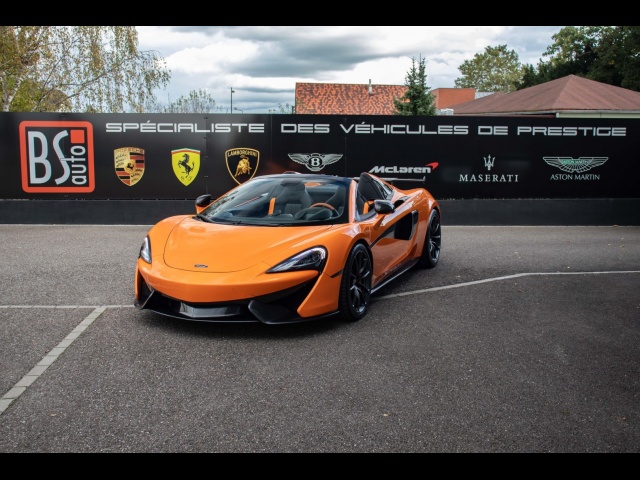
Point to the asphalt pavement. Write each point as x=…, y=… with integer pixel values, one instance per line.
x=522, y=339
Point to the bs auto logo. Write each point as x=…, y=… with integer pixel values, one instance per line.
x=57, y=157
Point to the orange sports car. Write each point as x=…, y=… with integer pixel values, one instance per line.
x=286, y=248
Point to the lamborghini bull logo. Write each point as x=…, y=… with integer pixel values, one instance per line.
x=242, y=163
x=244, y=167
x=186, y=164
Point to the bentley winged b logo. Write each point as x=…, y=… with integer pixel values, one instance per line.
x=315, y=161
x=575, y=165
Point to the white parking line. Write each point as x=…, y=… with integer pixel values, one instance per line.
x=20, y=387
x=495, y=279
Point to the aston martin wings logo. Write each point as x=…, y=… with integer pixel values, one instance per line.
x=575, y=165
x=315, y=161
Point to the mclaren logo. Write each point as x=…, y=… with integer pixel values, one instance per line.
x=315, y=161
x=575, y=165
x=428, y=168
x=186, y=164
x=242, y=163
x=129, y=164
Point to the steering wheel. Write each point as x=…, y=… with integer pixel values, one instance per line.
x=325, y=205
x=307, y=214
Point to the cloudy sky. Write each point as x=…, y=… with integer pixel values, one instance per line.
x=263, y=63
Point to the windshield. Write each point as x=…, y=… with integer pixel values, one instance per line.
x=277, y=200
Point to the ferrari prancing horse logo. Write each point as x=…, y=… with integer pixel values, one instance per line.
x=186, y=164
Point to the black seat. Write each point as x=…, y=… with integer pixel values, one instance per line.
x=369, y=188
x=337, y=199
x=292, y=198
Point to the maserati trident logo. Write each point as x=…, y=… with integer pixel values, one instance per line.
x=315, y=161
x=489, y=162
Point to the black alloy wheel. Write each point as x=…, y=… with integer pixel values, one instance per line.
x=355, y=287
x=432, y=242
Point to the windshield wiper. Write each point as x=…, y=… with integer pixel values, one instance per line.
x=199, y=216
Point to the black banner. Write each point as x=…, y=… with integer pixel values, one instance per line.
x=181, y=156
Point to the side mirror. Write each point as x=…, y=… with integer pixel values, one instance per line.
x=202, y=202
x=383, y=206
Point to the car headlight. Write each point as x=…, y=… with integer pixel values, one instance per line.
x=145, y=250
x=312, y=259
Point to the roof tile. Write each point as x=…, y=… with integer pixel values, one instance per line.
x=348, y=99
x=571, y=93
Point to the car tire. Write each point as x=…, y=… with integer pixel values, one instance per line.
x=432, y=242
x=355, y=286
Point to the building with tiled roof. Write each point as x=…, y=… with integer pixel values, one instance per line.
x=347, y=99
x=445, y=98
x=361, y=99
x=570, y=96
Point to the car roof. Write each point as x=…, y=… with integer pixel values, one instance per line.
x=308, y=176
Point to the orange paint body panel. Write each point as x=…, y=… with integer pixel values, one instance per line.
x=286, y=248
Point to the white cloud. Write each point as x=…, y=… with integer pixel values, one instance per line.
x=263, y=63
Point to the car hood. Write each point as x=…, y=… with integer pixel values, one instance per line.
x=218, y=248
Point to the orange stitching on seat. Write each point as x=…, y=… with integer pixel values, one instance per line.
x=272, y=203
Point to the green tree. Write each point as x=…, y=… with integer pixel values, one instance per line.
x=197, y=101
x=77, y=68
x=618, y=57
x=544, y=72
x=529, y=77
x=495, y=70
x=573, y=52
x=286, y=108
x=630, y=66
x=602, y=53
x=417, y=99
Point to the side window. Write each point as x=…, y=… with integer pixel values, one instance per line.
x=372, y=189
x=387, y=190
x=364, y=207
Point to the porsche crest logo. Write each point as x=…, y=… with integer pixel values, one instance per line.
x=186, y=164
x=242, y=163
x=129, y=163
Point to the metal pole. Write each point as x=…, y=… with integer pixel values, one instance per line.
x=232, y=92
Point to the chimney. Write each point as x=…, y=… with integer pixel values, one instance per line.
x=370, y=88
